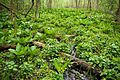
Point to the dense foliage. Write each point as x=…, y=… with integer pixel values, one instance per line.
x=96, y=35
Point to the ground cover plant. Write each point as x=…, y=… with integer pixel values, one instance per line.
x=95, y=35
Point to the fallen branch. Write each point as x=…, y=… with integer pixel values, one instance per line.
x=8, y=46
x=82, y=65
x=38, y=44
x=9, y=9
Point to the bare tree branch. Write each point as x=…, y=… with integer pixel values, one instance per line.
x=30, y=8
x=8, y=9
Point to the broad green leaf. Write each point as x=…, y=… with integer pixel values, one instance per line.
x=12, y=50
x=18, y=47
x=33, y=48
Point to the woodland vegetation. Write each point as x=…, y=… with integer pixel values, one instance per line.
x=59, y=39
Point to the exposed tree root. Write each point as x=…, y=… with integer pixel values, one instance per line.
x=81, y=65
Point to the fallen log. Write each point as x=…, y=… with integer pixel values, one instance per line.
x=81, y=65
x=6, y=47
x=12, y=46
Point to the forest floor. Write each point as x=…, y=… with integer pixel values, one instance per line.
x=59, y=42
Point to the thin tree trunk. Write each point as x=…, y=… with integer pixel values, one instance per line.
x=37, y=9
x=89, y=5
x=17, y=8
x=79, y=3
x=49, y=4
x=23, y=6
x=84, y=4
x=11, y=6
x=76, y=1
x=118, y=13
x=97, y=6
x=72, y=3
x=15, y=25
x=13, y=17
x=1, y=8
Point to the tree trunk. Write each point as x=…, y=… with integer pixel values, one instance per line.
x=12, y=16
x=23, y=6
x=72, y=3
x=76, y=1
x=37, y=9
x=79, y=3
x=89, y=5
x=1, y=8
x=17, y=6
x=11, y=6
x=118, y=13
x=49, y=4
x=84, y=4
x=15, y=25
x=97, y=4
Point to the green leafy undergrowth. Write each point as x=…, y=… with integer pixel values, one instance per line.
x=94, y=33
